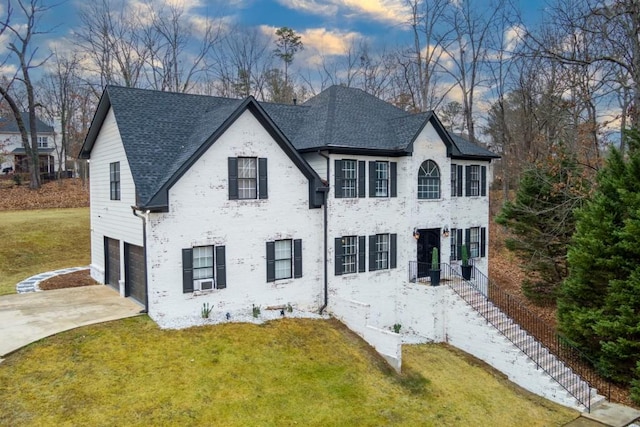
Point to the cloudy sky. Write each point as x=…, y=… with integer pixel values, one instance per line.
x=325, y=25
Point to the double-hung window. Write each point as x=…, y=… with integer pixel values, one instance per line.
x=203, y=268
x=429, y=180
x=382, y=179
x=350, y=178
x=350, y=252
x=476, y=180
x=247, y=178
x=474, y=242
x=284, y=259
x=382, y=251
x=43, y=142
x=114, y=180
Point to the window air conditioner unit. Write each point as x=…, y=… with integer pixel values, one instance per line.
x=203, y=284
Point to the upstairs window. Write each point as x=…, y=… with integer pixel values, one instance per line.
x=476, y=180
x=429, y=180
x=382, y=179
x=350, y=178
x=247, y=178
x=203, y=268
x=43, y=142
x=456, y=180
x=114, y=180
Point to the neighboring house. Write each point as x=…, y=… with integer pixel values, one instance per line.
x=12, y=153
x=234, y=202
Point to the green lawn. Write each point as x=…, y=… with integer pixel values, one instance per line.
x=35, y=241
x=287, y=372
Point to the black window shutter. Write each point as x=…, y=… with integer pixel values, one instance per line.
x=338, y=257
x=187, y=270
x=467, y=181
x=459, y=193
x=483, y=242
x=105, y=242
x=338, y=186
x=262, y=178
x=297, y=258
x=394, y=178
x=393, y=255
x=221, y=268
x=372, y=180
x=362, y=253
x=483, y=182
x=372, y=252
x=271, y=261
x=362, y=178
x=233, y=178
x=467, y=238
x=459, y=243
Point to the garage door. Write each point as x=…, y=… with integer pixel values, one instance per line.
x=134, y=272
x=112, y=262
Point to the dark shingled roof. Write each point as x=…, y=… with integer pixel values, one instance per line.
x=163, y=131
x=9, y=124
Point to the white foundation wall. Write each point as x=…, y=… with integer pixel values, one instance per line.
x=111, y=218
x=437, y=314
x=200, y=213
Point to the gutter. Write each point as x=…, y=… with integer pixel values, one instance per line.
x=326, y=236
x=145, y=217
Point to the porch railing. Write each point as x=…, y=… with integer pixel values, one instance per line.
x=528, y=332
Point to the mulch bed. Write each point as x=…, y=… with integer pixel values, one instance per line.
x=69, y=280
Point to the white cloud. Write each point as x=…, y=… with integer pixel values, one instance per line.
x=394, y=11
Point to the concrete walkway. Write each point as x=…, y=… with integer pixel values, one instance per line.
x=29, y=317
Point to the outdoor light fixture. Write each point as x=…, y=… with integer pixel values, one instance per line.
x=416, y=234
x=445, y=232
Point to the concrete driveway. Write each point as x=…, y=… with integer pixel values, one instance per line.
x=25, y=318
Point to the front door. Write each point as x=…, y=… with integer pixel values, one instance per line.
x=429, y=239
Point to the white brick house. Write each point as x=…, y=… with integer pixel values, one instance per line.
x=200, y=199
x=12, y=152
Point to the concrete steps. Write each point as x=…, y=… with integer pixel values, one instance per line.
x=555, y=369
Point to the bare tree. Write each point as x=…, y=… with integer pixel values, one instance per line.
x=21, y=49
x=468, y=49
x=608, y=31
x=113, y=42
x=421, y=63
x=173, y=65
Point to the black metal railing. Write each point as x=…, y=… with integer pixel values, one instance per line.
x=551, y=353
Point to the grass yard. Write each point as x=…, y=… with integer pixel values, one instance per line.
x=287, y=372
x=35, y=241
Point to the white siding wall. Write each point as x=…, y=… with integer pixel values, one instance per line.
x=200, y=213
x=317, y=162
x=111, y=218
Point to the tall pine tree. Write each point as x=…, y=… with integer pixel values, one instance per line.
x=541, y=221
x=599, y=302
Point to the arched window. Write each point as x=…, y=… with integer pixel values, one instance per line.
x=429, y=181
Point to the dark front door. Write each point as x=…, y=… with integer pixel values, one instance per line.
x=429, y=239
x=134, y=273
x=112, y=262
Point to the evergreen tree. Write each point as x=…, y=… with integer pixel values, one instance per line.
x=599, y=302
x=541, y=221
